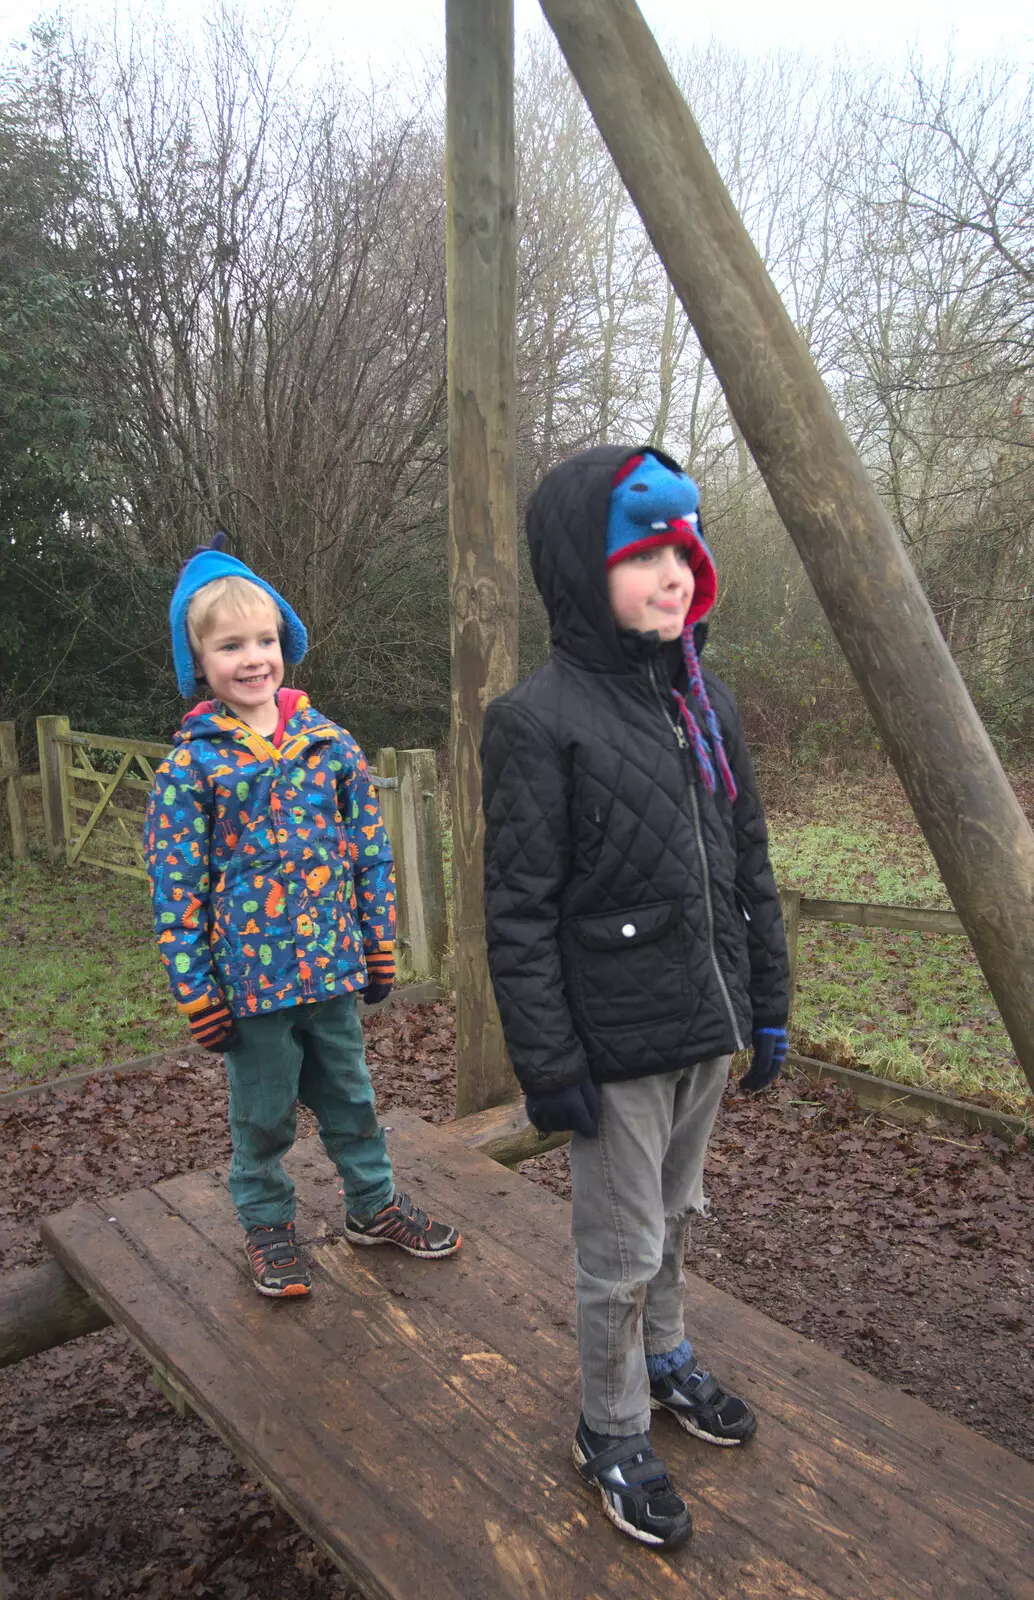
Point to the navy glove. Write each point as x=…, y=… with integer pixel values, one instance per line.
x=574, y=1109
x=374, y=993
x=770, y=1050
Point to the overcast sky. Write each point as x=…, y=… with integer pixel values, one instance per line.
x=359, y=32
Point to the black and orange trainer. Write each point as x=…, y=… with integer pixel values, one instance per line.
x=403, y=1224
x=276, y=1267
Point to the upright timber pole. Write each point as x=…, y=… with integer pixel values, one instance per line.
x=854, y=558
x=481, y=263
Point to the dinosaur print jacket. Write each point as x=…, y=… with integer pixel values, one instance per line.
x=270, y=868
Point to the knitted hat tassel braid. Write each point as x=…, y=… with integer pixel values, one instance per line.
x=699, y=743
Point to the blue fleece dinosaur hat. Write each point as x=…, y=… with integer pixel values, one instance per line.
x=205, y=565
x=650, y=505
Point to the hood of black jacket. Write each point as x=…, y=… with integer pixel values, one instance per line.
x=566, y=524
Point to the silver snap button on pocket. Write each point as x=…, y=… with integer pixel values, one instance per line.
x=629, y=930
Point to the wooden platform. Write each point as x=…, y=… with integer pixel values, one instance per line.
x=416, y=1418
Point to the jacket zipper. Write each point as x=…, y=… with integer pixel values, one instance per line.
x=683, y=744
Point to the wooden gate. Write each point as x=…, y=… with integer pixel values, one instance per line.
x=95, y=789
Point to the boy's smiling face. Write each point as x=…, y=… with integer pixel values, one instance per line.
x=241, y=662
x=652, y=591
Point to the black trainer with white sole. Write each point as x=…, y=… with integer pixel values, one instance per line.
x=697, y=1401
x=634, y=1486
x=403, y=1224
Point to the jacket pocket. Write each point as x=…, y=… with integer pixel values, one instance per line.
x=626, y=968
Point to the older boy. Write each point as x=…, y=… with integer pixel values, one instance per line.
x=274, y=903
x=634, y=936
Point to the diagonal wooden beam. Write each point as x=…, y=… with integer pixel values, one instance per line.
x=106, y=793
x=850, y=549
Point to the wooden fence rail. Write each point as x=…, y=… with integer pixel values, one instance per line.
x=798, y=908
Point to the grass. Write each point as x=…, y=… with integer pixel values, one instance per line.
x=80, y=978
x=911, y=1007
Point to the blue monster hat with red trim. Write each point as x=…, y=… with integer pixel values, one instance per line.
x=650, y=505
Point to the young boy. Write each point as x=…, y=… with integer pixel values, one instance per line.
x=634, y=936
x=274, y=904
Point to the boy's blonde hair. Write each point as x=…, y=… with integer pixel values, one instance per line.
x=235, y=596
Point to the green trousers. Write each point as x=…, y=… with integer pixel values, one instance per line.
x=315, y=1054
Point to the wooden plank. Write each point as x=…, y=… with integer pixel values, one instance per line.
x=463, y=1374
x=481, y=251
x=104, y=741
x=501, y=1374
x=512, y=1308
x=852, y=552
x=119, y=813
x=908, y=1104
x=115, y=818
x=436, y=1373
x=113, y=866
x=914, y=919
x=504, y=1134
x=91, y=775
x=240, y=1399
x=891, y=1437
x=393, y=1499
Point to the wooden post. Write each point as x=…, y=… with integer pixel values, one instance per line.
x=19, y=825
x=790, y=900
x=854, y=558
x=481, y=256
x=53, y=765
x=421, y=851
x=387, y=766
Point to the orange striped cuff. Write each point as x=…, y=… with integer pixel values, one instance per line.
x=380, y=965
x=210, y=1023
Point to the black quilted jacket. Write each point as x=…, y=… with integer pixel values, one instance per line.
x=632, y=919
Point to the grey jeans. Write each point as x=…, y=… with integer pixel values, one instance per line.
x=633, y=1187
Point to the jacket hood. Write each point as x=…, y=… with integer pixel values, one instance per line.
x=566, y=526
x=210, y=719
